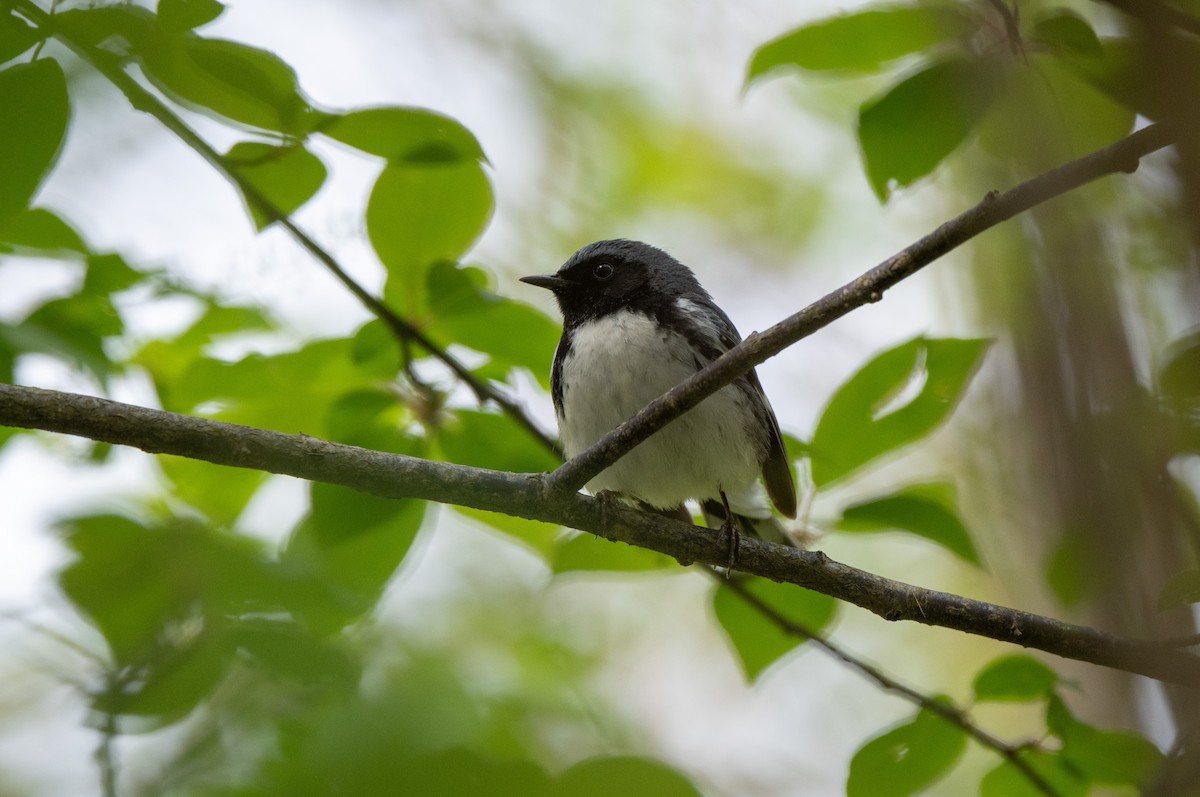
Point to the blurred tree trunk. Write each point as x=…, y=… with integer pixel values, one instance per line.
x=1077, y=428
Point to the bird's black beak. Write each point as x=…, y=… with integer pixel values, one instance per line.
x=550, y=282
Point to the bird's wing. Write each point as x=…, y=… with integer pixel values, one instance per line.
x=712, y=340
x=777, y=476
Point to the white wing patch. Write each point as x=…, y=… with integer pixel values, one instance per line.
x=702, y=319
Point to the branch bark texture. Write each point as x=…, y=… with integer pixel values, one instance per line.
x=531, y=496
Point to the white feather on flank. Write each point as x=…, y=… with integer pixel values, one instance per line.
x=630, y=362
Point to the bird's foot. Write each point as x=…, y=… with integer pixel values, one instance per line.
x=608, y=501
x=730, y=527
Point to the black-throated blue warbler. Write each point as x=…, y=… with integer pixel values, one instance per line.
x=636, y=322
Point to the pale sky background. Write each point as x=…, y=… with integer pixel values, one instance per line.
x=128, y=186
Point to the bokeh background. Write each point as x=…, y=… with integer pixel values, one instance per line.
x=627, y=119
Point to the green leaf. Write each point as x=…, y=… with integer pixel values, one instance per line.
x=27, y=337
x=539, y=536
x=106, y=582
x=796, y=447
x=249, y=391
x=914, y=125
x=1059, y=719
x=862, y=40
x=927, y=510
x=759, y=642
x=1046, y=115
x=859, y=424
x=1117, y=757
x=453, y=773
x=1015, y=677
x=906, y=759
x=73, y=329
x=121, y=29
x=284, y=648
x=586, y=552
x=1069, y=571
x=1067, y=32
x=8, y=360
x=220, y=493
x=40, y=229
x=231, y=80
x=356, y=542
x=1008, y=781
x=492, y=440
x=133, y=580
x=108, y=274
x=343, y=519
x=178, y=16
x=467, y=313
x=168, y=361
x=420, y=214
x=374, y=341
x=371, y=418
x=400, y=134
x=623, y=775
x=34, y=99
x=16, y=36
x=1181, y=589
x=173, y=683
x=287, y=177
x=1113, y=757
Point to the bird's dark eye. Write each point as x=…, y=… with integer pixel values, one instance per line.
x=602, y=271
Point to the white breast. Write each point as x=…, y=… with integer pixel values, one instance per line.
x=619, y=364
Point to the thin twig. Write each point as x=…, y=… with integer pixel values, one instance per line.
x=527, y=495
x=1122, y=156
x=141, y=99
x=1012, y=25
x=952, y=714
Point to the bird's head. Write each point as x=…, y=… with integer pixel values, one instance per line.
x=608, y=276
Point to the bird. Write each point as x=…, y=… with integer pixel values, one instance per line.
x=636, y=322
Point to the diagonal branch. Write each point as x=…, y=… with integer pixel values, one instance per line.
x=529, y=496
x=1122, y=156
x=141, y=99
x=952, y=714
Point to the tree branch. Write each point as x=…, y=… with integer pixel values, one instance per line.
x=111, y=67
x=530, y=496
x=1122, y=156
x=951, y=713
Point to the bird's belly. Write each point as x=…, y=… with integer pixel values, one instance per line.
x=618, y=365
